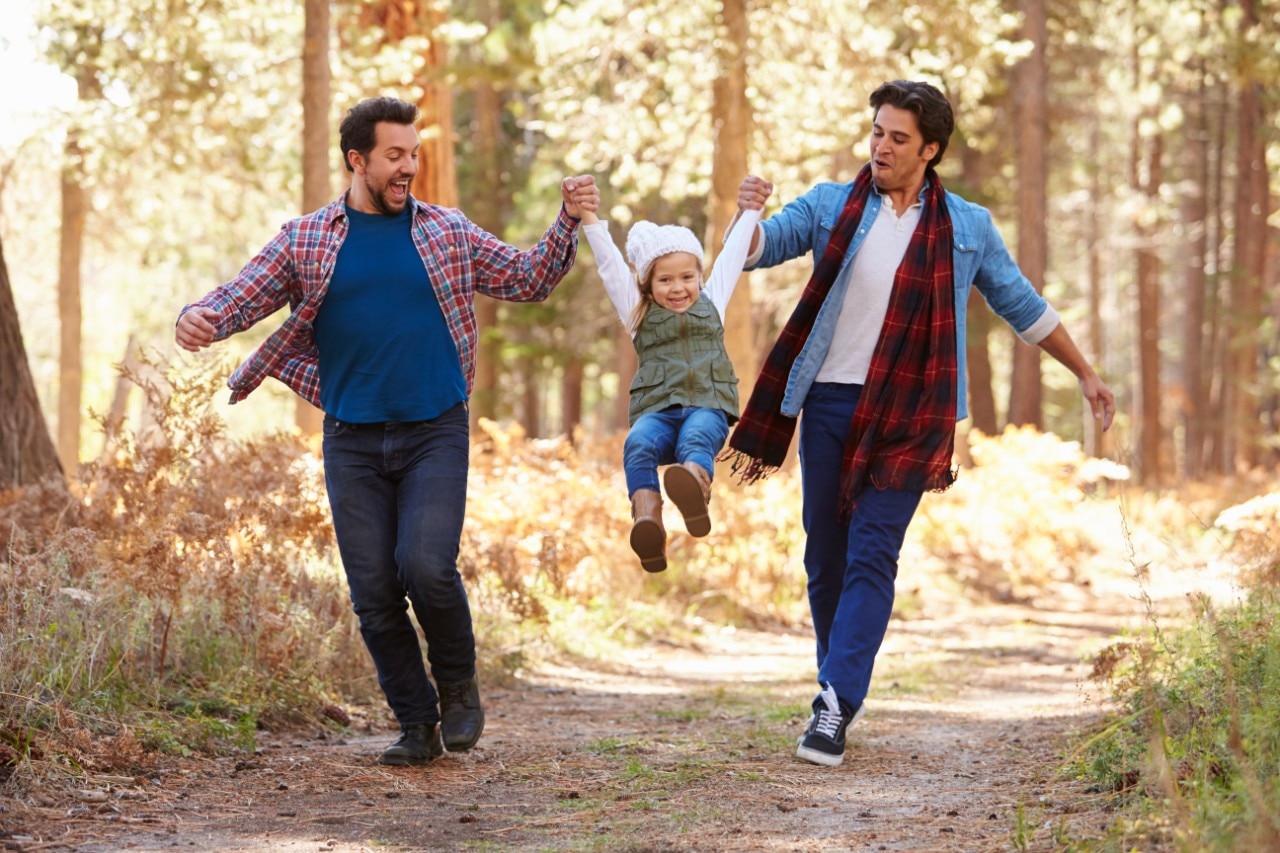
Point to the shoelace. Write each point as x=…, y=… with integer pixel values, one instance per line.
x=827, y=723
x=828, y=719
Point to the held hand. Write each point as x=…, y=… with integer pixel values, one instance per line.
x=1101, y=400
x=580, y=194
x=195, y=329
x=753, y=193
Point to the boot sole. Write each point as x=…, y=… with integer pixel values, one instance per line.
x=686, y=493
x=649, y=543
x=406, y=762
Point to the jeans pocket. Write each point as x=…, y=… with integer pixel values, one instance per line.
x=333, y=427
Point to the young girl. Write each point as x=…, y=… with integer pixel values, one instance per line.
x=685, y=394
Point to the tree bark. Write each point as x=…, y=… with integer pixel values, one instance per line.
x=27, y=452
x=979, y=320
x=1094, y=212
x=316, y=185
x=436, y=181
x=1252, y=197
x=1030, y=96
x=70, y=370
x=1150, y=433
x=1219, y=391
x=490, y=207
x=625, y=366
x=1195, y=214
x=731, y=118
x=571, y=397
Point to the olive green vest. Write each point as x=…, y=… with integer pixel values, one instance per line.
x=683, y=362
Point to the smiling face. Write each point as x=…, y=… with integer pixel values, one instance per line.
x=675, y=280
x=380, y=182
x=899, y=155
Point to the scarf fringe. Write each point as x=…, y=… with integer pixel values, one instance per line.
x=936, y=483
x=746, y=468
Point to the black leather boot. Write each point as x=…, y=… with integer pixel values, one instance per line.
x=418, y=744
x=461, y=715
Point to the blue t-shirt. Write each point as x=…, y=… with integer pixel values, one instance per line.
x=385, y=351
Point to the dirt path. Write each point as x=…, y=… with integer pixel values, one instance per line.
x=675, y=748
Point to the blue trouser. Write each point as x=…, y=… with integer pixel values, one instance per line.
x=678, y=434
x=851, y=566
x=398, y=492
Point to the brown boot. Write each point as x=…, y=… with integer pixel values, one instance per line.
x=689, y=485
x=648, y=538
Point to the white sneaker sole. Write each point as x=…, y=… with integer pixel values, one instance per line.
x=815, y=757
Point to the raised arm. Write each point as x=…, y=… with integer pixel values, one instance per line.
x=728, y=266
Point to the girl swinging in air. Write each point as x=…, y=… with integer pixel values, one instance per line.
x=684, y=396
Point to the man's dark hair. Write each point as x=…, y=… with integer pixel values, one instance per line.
x=931, y=108
x=359, y=127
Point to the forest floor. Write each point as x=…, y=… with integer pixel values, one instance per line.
x=681, y=746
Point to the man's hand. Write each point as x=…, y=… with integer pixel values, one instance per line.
x=195, y=329
x=753, y=193
x=580, y=193
x=1101, y=400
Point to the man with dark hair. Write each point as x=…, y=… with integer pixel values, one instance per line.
x=873, y=355
x=382, y=337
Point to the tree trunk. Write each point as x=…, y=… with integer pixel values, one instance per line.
x=436, y=181
x=1150, y=434
x=1215, y=451
x=979, y=320
x=1195, y=214
x=571, y=397
x=70, y=371
x=27, y=452
x=625, y=365
x=1030, y=107
x=316, y=187
x=1248, y=267
x=1094, y=211
x=530, y=397
x=490, y=208
x=731, y=119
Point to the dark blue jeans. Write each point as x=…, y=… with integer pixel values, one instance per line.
x=398, y=492
x=678, y=434
x=851, y=566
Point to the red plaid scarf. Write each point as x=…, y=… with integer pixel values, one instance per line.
x=903, y=430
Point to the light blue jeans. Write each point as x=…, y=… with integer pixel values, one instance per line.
x=678, y=434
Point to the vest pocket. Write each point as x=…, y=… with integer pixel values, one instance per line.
x=648, y=377
x=723, y=373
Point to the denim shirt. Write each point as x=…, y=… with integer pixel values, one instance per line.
x=978, y=254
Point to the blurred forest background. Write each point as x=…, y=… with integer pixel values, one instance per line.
x=1122, y=146
x=169, y=564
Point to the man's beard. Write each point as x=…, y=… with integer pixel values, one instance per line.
x=381, y=201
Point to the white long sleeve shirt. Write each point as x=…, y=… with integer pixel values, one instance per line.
x=620, y=281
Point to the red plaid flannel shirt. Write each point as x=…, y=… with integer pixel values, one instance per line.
x=461, y=258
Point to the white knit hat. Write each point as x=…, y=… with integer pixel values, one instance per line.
x=647, y=242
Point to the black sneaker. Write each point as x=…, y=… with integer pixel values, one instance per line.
x=418, y=744
x=823, y=740
x=461, y=715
